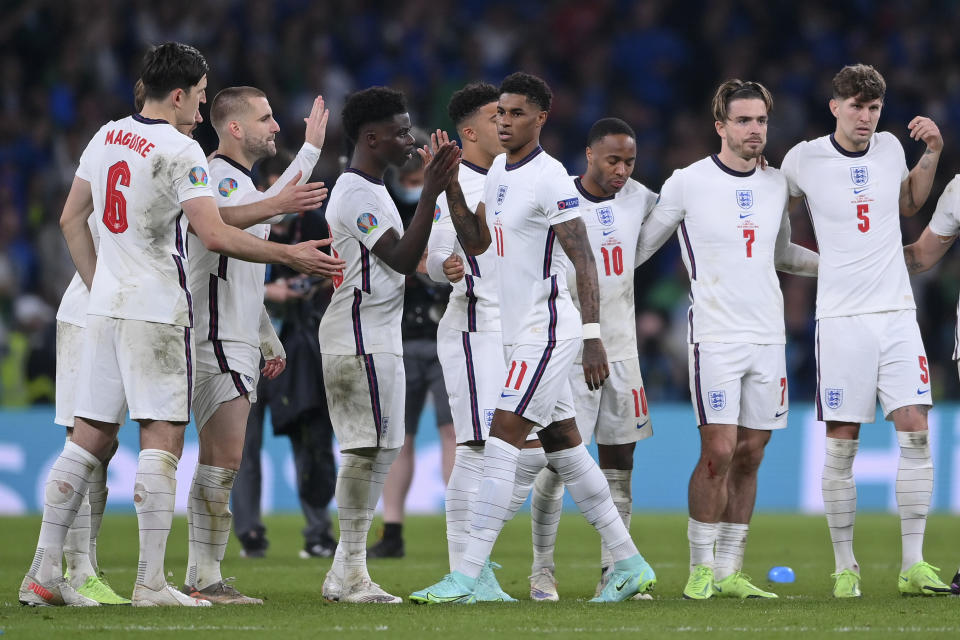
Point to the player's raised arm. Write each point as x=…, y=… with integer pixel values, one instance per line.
x=73, y=224
x=916, y=188
x=792, y=258
x=572, y=235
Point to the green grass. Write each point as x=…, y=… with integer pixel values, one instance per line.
x=294, y=609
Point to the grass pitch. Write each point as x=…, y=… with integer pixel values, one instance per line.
x=294, y=609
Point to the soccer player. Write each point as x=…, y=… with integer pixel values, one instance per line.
x=938, y=236
x=469, y=341
x=140, y=176
x=856, y=184
x=360, y=330
x=734, y=231
x=529, y=206
x=234, y=328
x=612, y=206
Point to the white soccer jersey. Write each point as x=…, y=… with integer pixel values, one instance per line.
x=854, y=203
x=473, y=304
x=613, y=227
x=140, y=170
x=946, y=222
x=730, y=225
x=367, y=303
x=522, y=202
x=73, y=304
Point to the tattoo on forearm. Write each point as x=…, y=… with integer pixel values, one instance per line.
x=910, y=257
x=572, y=236
x=464, y=221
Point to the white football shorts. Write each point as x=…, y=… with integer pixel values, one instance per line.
x=741, y=384
x=148, y=365
x=473, y=371
x=863, y=357
x=366, y=396
x=616, y=413
x=211, y=391
x=536, y=386
x=69, y=356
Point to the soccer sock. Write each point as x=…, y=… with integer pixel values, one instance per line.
x=97, y=495
x=353, y=495
x=731, y=545
x=154, y=496
x=914, y=488
x=461, y=490
x=209, y=524
x=491, y=507
x=622, y=494
x=66, y=484
x=840, y=499
x=590, y=491
x=546, y=507
x=76, y=546
x=702, y=536
x=529, y=466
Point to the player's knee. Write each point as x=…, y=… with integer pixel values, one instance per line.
x=58, y=491
x=748, y=458
x=716, y=457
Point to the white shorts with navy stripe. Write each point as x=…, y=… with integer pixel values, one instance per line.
x=473, y=372
x=616, y=412
x=69, y=356
x=863, y=357
x=741, y=384
x=211, y=391
x=537, y=387
x=147, y=365
x=366, y=396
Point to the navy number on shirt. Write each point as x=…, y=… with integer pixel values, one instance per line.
x=115, y=207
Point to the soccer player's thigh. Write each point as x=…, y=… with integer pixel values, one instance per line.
x=211, y=391
x=848, y=352
x=435, y=383
x=99, y=392
x=473, y=373
x=586, y=402
x=156, y=366
x=537, y=385
x=764, y=399
x=716, y=373
x=366, y=398
x=624, y=417
x=903, y=377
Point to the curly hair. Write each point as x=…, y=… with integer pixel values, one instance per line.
x=375, y=104
x=609, y=126
x=859, y=81
x=738, y=90
x=170, y=66
x=465, y=102
x=525, y=84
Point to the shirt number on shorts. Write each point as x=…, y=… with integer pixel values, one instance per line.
x=924, y=372
x=783, y=390
x=520, y=374
x=639, y=402
x=115, y=207
x=612, y=259
x=862, y=211
x=749, y=235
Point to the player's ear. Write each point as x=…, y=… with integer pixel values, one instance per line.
x=542, y=118
x=469, y=133
x=589, y=153
x=719, y=127
x=834, y=107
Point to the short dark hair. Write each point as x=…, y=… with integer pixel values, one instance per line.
x=525, y=84
x=170, y=66
x=859, y=81
x=232, y=102
x=465, y=102
x=736, y=89
x=609, y=126
x=375, y=104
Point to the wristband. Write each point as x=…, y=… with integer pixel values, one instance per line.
x=591, y=330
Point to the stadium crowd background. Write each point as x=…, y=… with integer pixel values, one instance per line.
x=66, y=67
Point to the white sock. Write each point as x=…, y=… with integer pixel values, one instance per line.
x=622, y=494
x=731, y=545
x=702, y=537
x=208, y=515
x=64, y=490
x=154, y=496
x=461, y=490
x=97, y=496
x=546, y=507
x=491, y=507
x=529, y=466
x=840, y=499
x=590, y=491
x=76, y=546
x=914, y=488
x=353, y=494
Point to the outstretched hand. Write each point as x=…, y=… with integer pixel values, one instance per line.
x=307, y=258
x=273, y=367
x=297, y=198
x=441, y=167
x=316, y=131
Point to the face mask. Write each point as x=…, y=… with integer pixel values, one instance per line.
x=408, y=195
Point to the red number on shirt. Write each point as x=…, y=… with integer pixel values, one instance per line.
x=115, y=208
x=612, y=259
x=498, y=236
x=750, y=235
x=862, y=211
x=783, y=390
x=924, y=373
x=639, y=402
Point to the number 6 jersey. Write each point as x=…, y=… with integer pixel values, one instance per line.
x=854, y=204
x=140, y=170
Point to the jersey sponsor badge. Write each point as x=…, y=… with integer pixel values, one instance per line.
x=745, y=198
x=436, y=214
x=859, y=175
x=367, y=222
x=501, y=193
x=605, y=216
x=717, y=399
x=833, y=397
x=569, y=203
x=227, y=186
x=198, y=176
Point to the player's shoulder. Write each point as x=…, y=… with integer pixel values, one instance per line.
x=886, y=142
x=805, y=147
x=635, y=189
x=229, y=176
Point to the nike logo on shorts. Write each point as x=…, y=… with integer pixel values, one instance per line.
x=508, y=395
x=920, y=392
x=780, y=413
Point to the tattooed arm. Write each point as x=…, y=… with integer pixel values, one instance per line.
x=916, y=188
x=927, y=251
x=572, y=235
x=471, y=227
